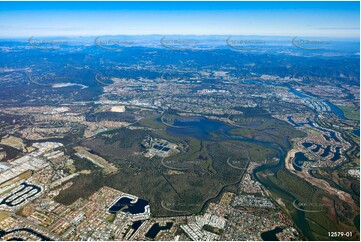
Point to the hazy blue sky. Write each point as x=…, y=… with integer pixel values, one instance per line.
x=25, y=19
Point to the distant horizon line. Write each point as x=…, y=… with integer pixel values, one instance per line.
x=181, y=35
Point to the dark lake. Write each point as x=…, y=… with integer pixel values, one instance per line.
x=307, y=144
x=337, y=154
x=271, y=235
x=27, y=230
x=156, y=228
x=315, y=150
x=125, y=205
x=326, y=151
x=200, y=128
x=299, y=159
x=9, y=200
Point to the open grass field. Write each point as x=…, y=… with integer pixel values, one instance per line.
x=351, y=112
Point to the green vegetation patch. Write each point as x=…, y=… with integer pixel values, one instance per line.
x=350, y=112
